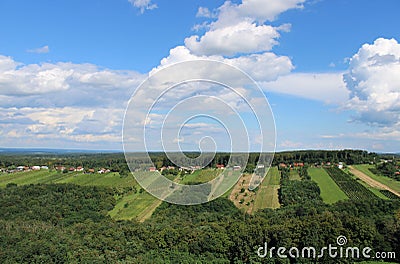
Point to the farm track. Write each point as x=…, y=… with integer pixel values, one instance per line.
x=148, y=212
x=371, y=182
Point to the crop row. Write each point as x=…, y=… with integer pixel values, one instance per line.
x=390, y=195
x=350, y=186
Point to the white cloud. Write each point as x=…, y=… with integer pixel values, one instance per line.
x=63, y=104
x=373, y=80
x=254, y=10
x=261, y=67
x=205, y=12
x=244, y=37
x=39, y=126
x=377, y=134
x=240, y=28
x=240, y=37
x=267, y=9
x=44, y=49
x=61, y=84
x=7, y=64
x=198, y=27
x=143, y=5
x=326, y=87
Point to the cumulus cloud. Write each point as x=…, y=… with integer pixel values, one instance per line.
x=238, y=34
x=272, y=8
x=74, y=126
x=262, y=67
x=244, y=37
x=62, y=83
x=253, y=10
x=143, y=5
x=373, y=80
x=7, y=64
x=273, y=74
x=240, y=28
x=44, y=49
x=67, y=104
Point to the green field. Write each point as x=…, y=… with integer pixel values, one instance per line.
x=45, y=176
x=294, y=175
x=201, y=176
x=330, y=192
x=29, y=177
x=267, y=195
x=392, y=183
x=134, y=204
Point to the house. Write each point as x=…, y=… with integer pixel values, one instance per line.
x=298, y=164
x=21, y=168
x=103, y=170
x=79, y=168
x=91, y=170
x=220, y=166
x=260, y=166
x=35, y=168
x=340, y=165
x=184, y=169
x=71, y=169
x=236, y=168
x=152, y=169
x=282, y=165
x=60, y=168
x=44, y=167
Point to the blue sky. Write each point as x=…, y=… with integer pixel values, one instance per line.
x=328, y=68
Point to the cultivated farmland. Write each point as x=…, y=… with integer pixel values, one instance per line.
x=350, y=186
x=200, y=176
x=330, y=192
x=267, y=195
x=389, y=182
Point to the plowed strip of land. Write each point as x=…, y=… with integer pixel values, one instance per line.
x=371, y=182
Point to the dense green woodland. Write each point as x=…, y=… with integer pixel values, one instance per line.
x=68, y=223
x=59, y=223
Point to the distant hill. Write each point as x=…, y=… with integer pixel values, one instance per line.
x=51, y=151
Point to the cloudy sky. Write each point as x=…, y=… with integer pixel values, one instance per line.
x=329, y=68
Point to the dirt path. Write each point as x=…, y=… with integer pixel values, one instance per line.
x=148, y=212
x=371, y=182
